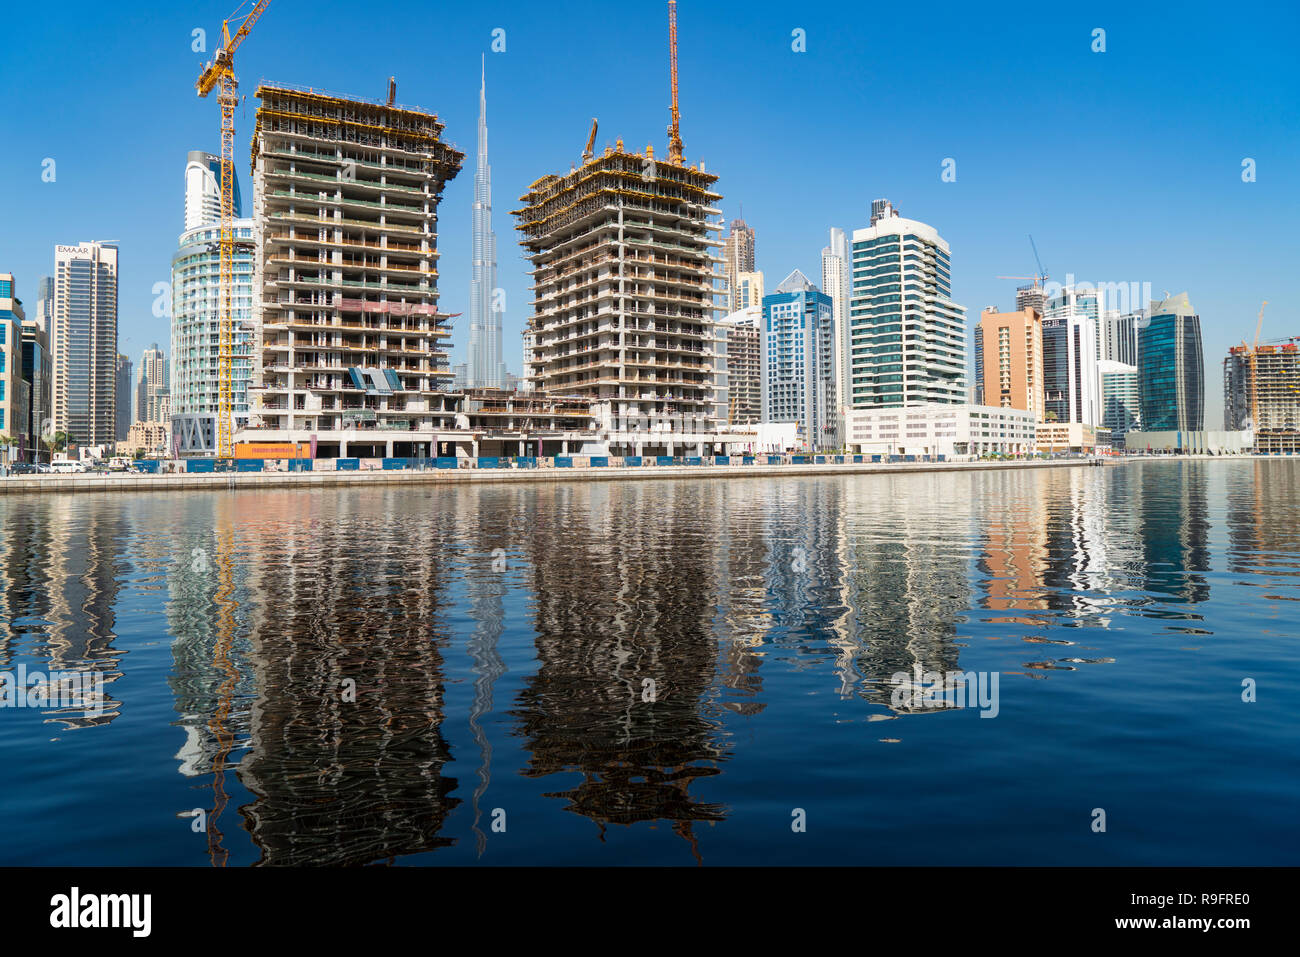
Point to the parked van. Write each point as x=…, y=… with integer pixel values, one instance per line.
x=66, y=467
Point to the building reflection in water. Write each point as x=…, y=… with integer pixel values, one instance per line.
x=743, y=619
x=624, y=600
x=485, y=588
x=1013, y=509
x=662, y=615
x=1175, y=552
x=62, y=559
x=1259, y=543
x=905, y=583
x=320, y=655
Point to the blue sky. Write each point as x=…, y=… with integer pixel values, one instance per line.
x=1124, y=165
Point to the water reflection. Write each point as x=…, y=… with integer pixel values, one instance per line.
x=624, y=599
x=612, y=640
x=62, y=569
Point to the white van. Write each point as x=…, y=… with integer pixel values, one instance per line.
x=66, y=467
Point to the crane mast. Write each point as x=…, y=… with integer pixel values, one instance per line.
x=220, y=75
x=1254, y=370
x=674, y=128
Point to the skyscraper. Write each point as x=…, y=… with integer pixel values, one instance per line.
x=350, y=343
x=798, y=360
x=1010, y=348
x=907, y=338
x=1070, y=380
x=1171, y=371
x=486, y=369
x=744, y=365
x=737, y=258
x=748, y=291
x=1118, y=339
x=14, y=410
x=45, y=306
x=85, y=342
x=196, y=325
x=38, y=370
x=123, y=415
x=154, y=379
x=638, y=341
x=1121, y=406
x=203, y=190
x=1070, y=351
x=1274, y=413
x=837, y=283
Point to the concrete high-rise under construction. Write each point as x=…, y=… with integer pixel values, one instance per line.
x=624, y=266
x=485, y=366
x=1261, y=391
x=350, y=347
x=623, y=269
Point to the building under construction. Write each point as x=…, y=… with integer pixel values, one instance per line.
x=623, y=279
x=349, y=344
x=1261, y=388
x=624, y=257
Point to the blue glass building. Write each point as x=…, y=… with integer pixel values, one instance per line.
x=1171, y=368
x=798, y=361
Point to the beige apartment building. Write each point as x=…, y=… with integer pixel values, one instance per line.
x=1009, y=357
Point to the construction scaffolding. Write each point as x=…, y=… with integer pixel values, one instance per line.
x=1261, y=390
x=349, y=336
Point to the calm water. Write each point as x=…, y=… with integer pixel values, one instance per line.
x=499, y=641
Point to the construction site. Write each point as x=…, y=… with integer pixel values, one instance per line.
x=624, y=266
x=1261, y=390
x=350, y=350
x=348, y=334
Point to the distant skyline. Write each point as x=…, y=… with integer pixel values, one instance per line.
x=1125, y=165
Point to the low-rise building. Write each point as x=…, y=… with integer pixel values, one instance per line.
x=1191, y=443
x=1067, y=437
x=942, y=429
x=149, y=437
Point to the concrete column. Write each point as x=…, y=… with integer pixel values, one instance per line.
x=388, y=448
x=343, y=448
x=638, y=449
x=521, y=448
x=564, y=447
x=473, y=448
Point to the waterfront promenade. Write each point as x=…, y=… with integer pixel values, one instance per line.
x=580, y=470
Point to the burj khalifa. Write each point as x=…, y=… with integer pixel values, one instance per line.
x=486, y=301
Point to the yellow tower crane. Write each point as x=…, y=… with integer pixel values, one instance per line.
x=220, y=74
x=1254, y=369
x=674, y=128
